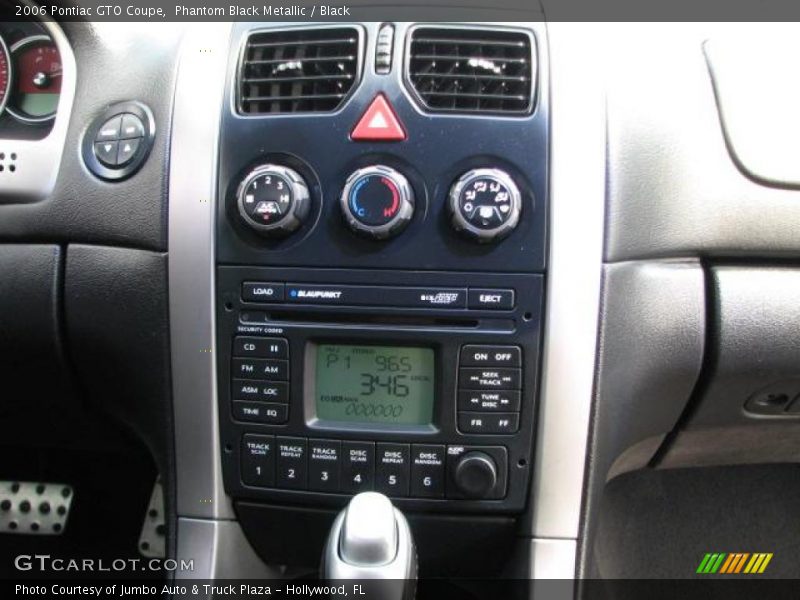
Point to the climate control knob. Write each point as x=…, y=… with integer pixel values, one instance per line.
x=475, y=474
x=274, y=200
x=377, y=201
x=485, y=204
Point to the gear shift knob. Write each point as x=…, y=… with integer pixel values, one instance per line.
x=370, y=539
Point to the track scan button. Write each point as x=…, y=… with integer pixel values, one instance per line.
x=258, y=460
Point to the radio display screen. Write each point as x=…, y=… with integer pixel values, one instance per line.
x=374, y=384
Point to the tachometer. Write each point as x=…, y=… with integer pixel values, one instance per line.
x=37, y=73
x=5, y=74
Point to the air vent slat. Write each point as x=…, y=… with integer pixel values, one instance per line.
x=298, y=70
x=474, y=70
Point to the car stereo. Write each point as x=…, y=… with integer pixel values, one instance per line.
x=423, y=389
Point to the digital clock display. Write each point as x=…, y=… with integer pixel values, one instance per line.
x=374, y=384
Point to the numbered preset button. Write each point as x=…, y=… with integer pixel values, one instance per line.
x=291, y=463
x=324, y=459
x=258, y=460
x=358, y=467
x=427, y=471
x=392, y=469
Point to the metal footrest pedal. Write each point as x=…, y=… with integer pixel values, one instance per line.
x=153, y=535
x=34, y=508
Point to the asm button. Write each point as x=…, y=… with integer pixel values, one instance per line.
x=261, y=412
x=265, y=391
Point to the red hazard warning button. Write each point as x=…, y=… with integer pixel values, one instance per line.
x=379, y=123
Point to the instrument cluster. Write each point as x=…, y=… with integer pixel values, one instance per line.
x=30, y=77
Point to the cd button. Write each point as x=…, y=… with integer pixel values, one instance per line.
x=292, y=467
x=358, y=467
x=258, y=460
x=259, y=347
x=261, y=412
x=324, y=457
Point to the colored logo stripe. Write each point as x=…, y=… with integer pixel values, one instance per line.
x=734, y=563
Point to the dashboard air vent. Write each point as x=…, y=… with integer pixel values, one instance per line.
x=472, y=70
x=298, y=70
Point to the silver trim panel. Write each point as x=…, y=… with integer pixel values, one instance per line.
x=577, y=187
x=192, y=194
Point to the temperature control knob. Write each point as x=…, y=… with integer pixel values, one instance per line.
x=475, y=474
x=377, y=201
x=273, y=200
x=485, y=204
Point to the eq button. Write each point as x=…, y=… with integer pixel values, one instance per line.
x=261, y=412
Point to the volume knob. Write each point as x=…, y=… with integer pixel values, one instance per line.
x=274, y=200
x=475, y=475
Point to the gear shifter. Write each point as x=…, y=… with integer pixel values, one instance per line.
x=370, y=539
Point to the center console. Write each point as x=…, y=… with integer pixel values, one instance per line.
x=380, y=264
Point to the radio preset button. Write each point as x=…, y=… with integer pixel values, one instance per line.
x=258, y=460
x=292, y=463
x=474, y=355
x=265, y=391
x=392, y=469
x=260, y=412
x=490, y=378
x=263, y=292
x=500, y=401
x=488, y=423
x=324, y=457
x=427, y=471
x=358, y=467
x=258, y=347
x=490, y=299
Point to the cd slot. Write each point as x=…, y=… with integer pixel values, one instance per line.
x=289, y=317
